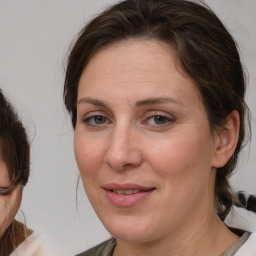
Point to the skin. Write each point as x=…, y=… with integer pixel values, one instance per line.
x=123, y=136
x=10, y=203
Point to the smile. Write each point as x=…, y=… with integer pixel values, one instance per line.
x=127, y=195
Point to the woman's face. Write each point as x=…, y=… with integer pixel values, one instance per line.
x=10, y=203
x=143, y=143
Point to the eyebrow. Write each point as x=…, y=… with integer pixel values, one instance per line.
x=162, y=100
x=92, y=101
x=146, y=102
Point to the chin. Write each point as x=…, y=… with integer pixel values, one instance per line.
x=130, y=229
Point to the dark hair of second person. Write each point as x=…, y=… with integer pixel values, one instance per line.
x=15, y=157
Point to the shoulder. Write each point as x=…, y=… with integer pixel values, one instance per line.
x=104, y=249
x=20, y=231
x=249, y=247
x=34, y=245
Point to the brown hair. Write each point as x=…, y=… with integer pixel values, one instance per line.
x=15, y=152
x=206, y=51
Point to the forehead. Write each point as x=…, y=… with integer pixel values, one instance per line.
x=3, y=167
x=136, y=53
x=135, y=64
x=3, y=164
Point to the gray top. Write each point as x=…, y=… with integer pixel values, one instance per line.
x=107, y=248
x=234, y=247
x=104, y=249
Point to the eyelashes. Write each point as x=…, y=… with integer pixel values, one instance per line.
x=159, y=120
x=95, y=120
x=153, y=120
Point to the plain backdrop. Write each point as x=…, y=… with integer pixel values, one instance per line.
x=34, y=38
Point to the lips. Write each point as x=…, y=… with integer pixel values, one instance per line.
x=126, y=195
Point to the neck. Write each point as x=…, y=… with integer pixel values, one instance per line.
x=209, y=237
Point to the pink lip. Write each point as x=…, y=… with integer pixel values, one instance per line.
x=126, y=200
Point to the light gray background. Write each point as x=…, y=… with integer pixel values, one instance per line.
x=34, y=38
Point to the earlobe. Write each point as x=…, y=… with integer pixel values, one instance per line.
x=226, y=141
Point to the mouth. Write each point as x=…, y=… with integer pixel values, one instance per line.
x=127, y=194
x=130, y=191
x=126, y=189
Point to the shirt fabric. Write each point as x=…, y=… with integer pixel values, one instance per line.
x=33, y=246
x=244, y=246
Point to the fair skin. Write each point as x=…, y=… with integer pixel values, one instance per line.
x=146, y=153
x=10, y=203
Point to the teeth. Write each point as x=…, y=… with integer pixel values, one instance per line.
x=126, y=192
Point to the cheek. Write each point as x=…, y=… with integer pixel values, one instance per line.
x=184, y=170
x=183, y=158
x=89, y=156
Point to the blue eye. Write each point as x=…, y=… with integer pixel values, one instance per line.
x=94, y=120
x=99, y=119
x=159, y=120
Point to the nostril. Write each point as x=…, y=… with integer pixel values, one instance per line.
x=127, y=165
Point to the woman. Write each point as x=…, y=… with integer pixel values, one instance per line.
x=14, y=173
x=155, y=90
x=15, y=238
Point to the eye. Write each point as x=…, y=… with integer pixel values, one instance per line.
x=96, y=120
x=159, y=120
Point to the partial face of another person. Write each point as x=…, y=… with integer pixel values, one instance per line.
x=10, y=203
x=142, y=142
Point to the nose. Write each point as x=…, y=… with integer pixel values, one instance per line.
x=123, y=152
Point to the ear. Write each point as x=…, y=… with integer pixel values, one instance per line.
x=226, y=140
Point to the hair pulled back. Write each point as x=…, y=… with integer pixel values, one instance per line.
x=206, y=52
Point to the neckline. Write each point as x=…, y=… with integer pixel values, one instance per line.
x=231, y=251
